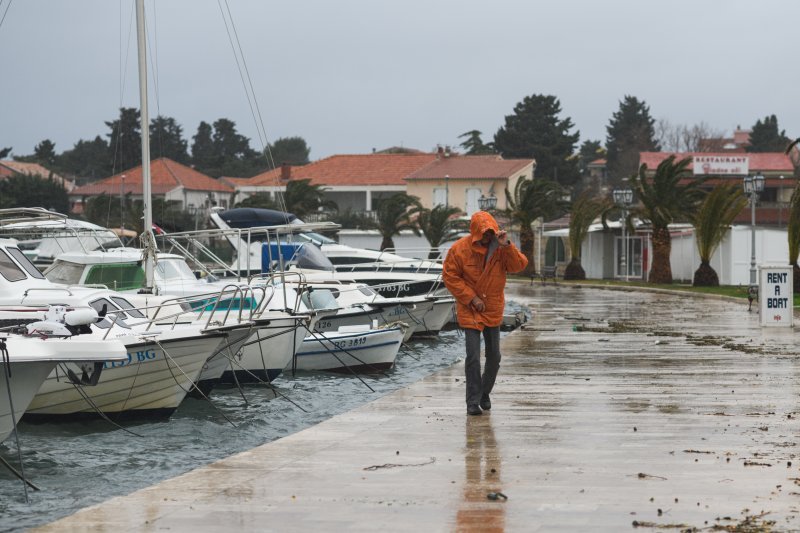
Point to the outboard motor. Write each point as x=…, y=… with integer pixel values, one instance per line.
x=58, y=322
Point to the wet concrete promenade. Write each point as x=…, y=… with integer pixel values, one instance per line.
x=612, y=411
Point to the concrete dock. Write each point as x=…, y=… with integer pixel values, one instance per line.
x=612, y=411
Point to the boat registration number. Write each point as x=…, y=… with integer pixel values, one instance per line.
x=133, y=357
x=350, y=343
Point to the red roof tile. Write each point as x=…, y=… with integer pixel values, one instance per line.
x=165, y=175
x=268, y=178
x=470, y=167
x=9, y=167
x=759, y=161
x=352, y=170
x=235, y=182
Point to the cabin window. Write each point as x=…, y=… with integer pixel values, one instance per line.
x=115, y=315
x=25, y=263
x=367, y=291
x=65, y=272
x=9, y=268
x=116, y=276
x=127, y=306
x=350, y=260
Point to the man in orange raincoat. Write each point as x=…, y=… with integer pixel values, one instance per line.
x=475, y=273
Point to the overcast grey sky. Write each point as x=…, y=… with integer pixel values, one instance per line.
x=352, y=75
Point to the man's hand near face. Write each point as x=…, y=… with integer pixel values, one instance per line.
x=502, y=238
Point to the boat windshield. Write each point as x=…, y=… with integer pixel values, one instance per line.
x=320, y=299
x=171, y=269
x=64, y=272
x=309, y=256
x=116, y=276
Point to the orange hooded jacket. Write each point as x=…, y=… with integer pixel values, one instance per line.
x=465, y=275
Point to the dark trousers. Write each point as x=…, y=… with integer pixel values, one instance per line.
x=477, y=386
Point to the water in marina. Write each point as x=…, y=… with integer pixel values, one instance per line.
x=80, y=464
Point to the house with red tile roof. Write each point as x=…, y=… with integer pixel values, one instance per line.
x=461, y=180
x=353, y=181
x=777, y=168
x=169, y=180
x=9, y=167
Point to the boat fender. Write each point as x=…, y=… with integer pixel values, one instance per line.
x=48, y=328
x=81, y=317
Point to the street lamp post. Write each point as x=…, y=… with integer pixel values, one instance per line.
x=753, y=186
x=487, y=203
x=624, y=199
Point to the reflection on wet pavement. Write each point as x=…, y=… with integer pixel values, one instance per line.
x=482, y=478
x=612, y=410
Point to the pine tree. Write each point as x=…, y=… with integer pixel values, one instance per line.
x=630, y=131
x=765, y=136
x=166, y=140
x=536, y=131
x=125, y=140
x=290, y=151
x=203, y=157
x=474, y=145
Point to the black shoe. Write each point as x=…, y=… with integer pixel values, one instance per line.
x=473, y=410
x=486, y=403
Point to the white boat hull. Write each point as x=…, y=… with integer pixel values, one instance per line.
x=411, y=316
x=149, y=384
x=32, y=359
x=26, y=378
x=266, y=353
x=441, y=312
x=365, y=351
x=220, y=361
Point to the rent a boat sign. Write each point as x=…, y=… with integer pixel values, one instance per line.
x=776, y=295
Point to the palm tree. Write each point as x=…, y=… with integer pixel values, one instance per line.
x=394, y=214
x=350, y=218
x=262, y=200
x=438, y=225
x=584, y=211
x=532, y=199
x=301, y=198
x=711, y=223
x=793, y=227
x=664, y=200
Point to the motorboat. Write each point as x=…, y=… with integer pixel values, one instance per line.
x=344, y=258
x=259, y=357
x=164, y=360
x=350, y=349
x=358, y=304
x=27, y=361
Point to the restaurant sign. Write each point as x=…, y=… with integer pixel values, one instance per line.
x=721, y=165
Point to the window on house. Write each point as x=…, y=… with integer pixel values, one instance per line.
x=472, y=200
x=555, y=252
x=439, y=196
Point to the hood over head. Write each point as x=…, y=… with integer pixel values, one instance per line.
x=480, y=222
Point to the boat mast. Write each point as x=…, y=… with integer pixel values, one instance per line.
x=147, y=234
